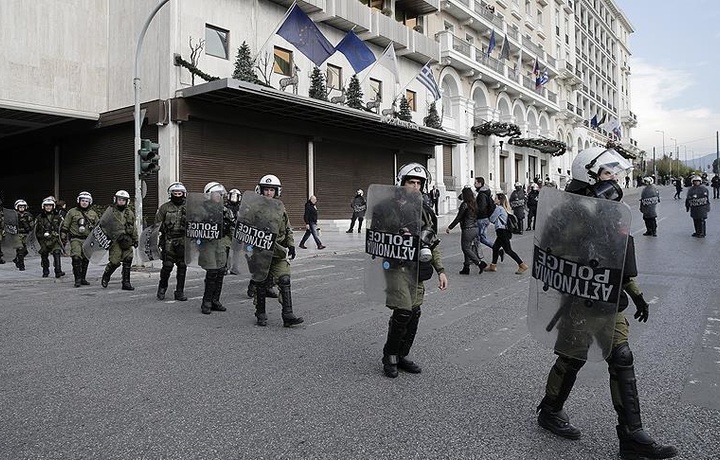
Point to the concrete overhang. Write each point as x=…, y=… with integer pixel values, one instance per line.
x=20, y=118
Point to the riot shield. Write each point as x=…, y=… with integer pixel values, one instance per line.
x=577, y=272
x=107, y=230
x=392, y=240
x=31, y=242
x=11, y=240
x=204, y=230
x=148, y=244
x=258, y=223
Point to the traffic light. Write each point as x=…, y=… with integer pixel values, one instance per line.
x=149, y=157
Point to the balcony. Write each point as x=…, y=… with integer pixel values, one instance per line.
x=469, y=11
x=308, y=6
x=532, y=47
x=626, y=116
x=345, y=15
x=419, y=6
x=385, y=29
x=570, y=111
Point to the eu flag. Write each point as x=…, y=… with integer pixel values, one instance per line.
x=302, y=32
x=356, y=51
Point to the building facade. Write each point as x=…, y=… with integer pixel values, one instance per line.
x=66, y=109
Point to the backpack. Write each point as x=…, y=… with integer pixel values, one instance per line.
x=512, y=224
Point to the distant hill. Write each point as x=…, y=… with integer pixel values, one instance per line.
x=703, y=163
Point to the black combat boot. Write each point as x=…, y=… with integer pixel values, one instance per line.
x=126, y=286
x=45, y=264
x=407, y=342
x=77, y=271
x=260, y=294
x=551, y=414
x=397, y=327
x=288, y=317
x=210, y=280
x=165, y=272
x=109, y=270
x=465, y=270
x=83, y=278
x=57, y=265
x=635, y=443
x=20, y=262
x=215, y=299
x=180, y=288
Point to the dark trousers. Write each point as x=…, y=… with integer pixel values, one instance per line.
x=502, y=240
x=311, y=231
x=650, y=225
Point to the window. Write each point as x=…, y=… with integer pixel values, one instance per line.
x=412, y=100
x=375, y=89
x=377, y=4
x=334, y=77
x=528, y=7
x=216, y=41
x=283, y=62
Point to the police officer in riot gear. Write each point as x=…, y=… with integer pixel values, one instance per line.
x=234, y=197
x=25, y=226
x=517, y=203
x=171, y=217
x=214, y=253
x=2, y=228
x=121, y=248
x=405, y=305
x=75, y=229
x=47, y=232
x=649, y=199
x=697, y=202
x=594, y=174
x=279, y=272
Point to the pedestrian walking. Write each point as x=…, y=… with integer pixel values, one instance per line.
x=435, y=195
x=715, y=183
x=697, y=202
x=467, y=219
x=485, y=207
x=311, y=220
x=358, y=206
x=499, y=219
x=678, y=188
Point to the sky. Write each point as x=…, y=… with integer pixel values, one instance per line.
x=674, y=72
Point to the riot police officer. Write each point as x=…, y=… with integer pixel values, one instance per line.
x=121, y=248
x=697, y=202
x=75, y=229
x=279, y=272
x=47, y=232
x=171, y=217
x=405, y=304
x=25, y=226
x=2, y=228
x=213, y=255
x=594, y=172
x=517, y=203
x=234, y=197
x=649, y=199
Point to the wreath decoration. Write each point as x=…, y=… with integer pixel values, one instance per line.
x=550, y=146
x=497, y=128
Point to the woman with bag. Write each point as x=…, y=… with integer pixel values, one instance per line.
x=467, y=218
x=499, y=219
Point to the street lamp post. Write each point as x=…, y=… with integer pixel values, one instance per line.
x=663, y=152
x=671, y=157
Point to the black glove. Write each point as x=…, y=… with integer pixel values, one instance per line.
x=641, y=309
x=291, y=252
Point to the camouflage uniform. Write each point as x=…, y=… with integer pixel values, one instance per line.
x=47, y=231
x=75, y=229
x=2, y=230
x=171, y=217
x=25, y=226
x=213, y=257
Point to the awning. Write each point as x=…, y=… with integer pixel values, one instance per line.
x=256, y=98
x=22, y=118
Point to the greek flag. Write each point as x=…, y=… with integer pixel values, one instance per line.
x=426, y=78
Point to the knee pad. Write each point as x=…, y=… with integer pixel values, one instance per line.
x=570, y=364
x=284, y=280
x=402, y=316
x=621, y=356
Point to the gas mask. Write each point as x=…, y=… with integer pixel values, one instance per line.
x=607, y=190
x=82, y=224
x=428, y=241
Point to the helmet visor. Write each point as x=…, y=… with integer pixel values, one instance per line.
x=611, y=161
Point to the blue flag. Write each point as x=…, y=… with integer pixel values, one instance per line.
x=302, y=32
x=491, y=45
x=594, y=121
x=356, y=51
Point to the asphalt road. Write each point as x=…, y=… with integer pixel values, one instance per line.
x=98, y=373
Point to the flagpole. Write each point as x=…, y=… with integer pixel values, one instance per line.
x=277, y=26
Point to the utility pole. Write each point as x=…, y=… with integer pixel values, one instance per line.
x=654, y=167
x=139, y=119
x=671, y=155
x=663, y=151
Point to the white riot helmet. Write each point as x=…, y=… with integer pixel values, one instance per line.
x=414, y=170
x=84, y=195
x=268, y=181
x=359, y=192
x=214, y=187
x=19, y=203
x=176, y=187
x=49, y=201
x=648, y=180
x=587, y=164
x=121, y=194
x=518, y=185
x=696, y=178
x=234, y=195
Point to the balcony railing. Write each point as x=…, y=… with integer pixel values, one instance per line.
x=461, y=46
x=389, y=28
x=513, y=33
x=489, y=61
x=482, y=9
x=527, y=43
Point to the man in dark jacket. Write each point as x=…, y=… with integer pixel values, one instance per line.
x=485, y=207
x=359, y=206
x=311, y=218
x=649, y=198
x=698, y=204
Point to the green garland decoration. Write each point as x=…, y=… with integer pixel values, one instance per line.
x=179, y=61
x=621, y=150
x=497, y=128
x=550, y=146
